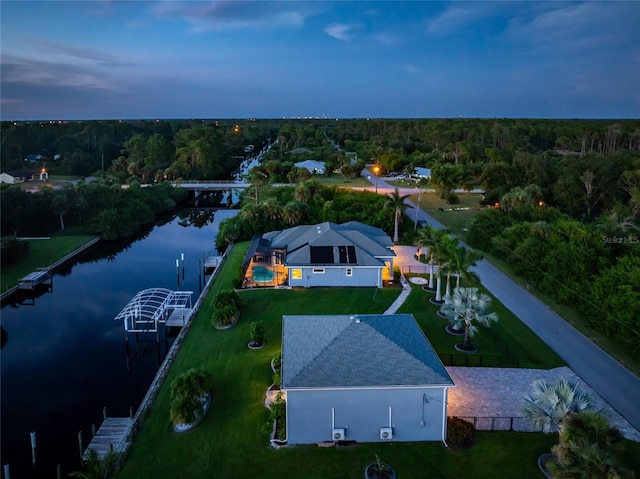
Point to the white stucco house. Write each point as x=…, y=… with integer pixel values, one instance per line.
x=326, y=254
x=314, y=167
x=365, y=378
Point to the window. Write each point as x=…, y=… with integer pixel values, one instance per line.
x=318, y=270
x=349, y=272
x=296, y=273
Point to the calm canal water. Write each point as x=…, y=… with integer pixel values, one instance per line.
x=66, y=358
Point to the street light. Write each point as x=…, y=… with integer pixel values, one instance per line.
x=376, y=169
x=415, y=224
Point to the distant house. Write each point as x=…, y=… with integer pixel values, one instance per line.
x=352, y=155
x=365, y=378
x=327, y=254
x=34, y=158
x=16, y=176
x=422, y=173
x=314, y=167
x=299, y=151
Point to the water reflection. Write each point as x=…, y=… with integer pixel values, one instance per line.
x=65, y=360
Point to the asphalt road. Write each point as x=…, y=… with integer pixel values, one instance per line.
x=607, y=377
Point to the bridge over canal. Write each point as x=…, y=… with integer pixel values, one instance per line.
x=202, y=188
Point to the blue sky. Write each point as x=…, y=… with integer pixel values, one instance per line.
x=241, y=59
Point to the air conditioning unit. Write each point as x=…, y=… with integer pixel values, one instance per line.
x=386, y=433
x=338, y=434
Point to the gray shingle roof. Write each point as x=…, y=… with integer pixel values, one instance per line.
x=358, y=351
x=371, y=243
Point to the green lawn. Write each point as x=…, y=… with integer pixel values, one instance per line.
x=338, y=180
x=42, y=254
x=454, y=219
x=229, y=442
x=499, y=345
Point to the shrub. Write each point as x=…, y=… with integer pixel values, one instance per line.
x=237, y=282
x=396, y=273
x=460, y=433
x=225, y=315
x=278, y=415
x=257, y=333
x=453, y=199
x=277, y=361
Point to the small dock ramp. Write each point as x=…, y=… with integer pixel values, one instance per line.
x=179, y=317
x=112, y=436
x=212, y=262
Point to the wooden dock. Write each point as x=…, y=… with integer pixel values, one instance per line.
x=212, y=262
x=34, y=279
x=112, y=436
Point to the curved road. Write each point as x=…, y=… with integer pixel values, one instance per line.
x=607, y=377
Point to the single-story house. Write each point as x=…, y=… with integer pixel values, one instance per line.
x=314, y=167
x=16, y=176
x=365, y=378
x=327, y=254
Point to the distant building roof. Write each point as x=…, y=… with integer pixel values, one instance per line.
x=298, y=151
x=23, y=173
x=423, y=172
x=328, y=351
x=311, y=165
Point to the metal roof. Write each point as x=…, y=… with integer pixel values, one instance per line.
x=150, y=304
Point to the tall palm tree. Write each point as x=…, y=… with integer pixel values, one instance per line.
x=189, y=391
x=465, y=307
x=396, y=201
x=462, y=261
x=428, y=237
x=447, y=251
x=548, y=405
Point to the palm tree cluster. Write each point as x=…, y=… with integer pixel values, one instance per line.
x=189, y=394
x=452, y=259
x=589, y=448
x=226, y=305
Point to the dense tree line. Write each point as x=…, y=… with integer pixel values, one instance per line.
x=306, y=203
x=593, y=267
x=145, y=151
x=583, y=167
x=110, y=211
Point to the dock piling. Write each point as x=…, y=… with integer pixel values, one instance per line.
x=7, y=473
x=104, y=412
x=33, y=448
x=81, y=447
x=59, y=471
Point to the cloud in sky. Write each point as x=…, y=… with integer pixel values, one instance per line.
x=220, y=15
x=361, y=58
x=342, y=31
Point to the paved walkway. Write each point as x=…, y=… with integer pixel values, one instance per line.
x=610, y=380
x=497, y=392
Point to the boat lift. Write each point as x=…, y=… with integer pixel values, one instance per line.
x=153, y=306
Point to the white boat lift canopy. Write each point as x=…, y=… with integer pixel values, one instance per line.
x=152, y=306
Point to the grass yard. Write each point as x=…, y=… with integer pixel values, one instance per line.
x=42, y=254
x=230, y=443
x=440, y=210
x=338, y=180
x=509, y=332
